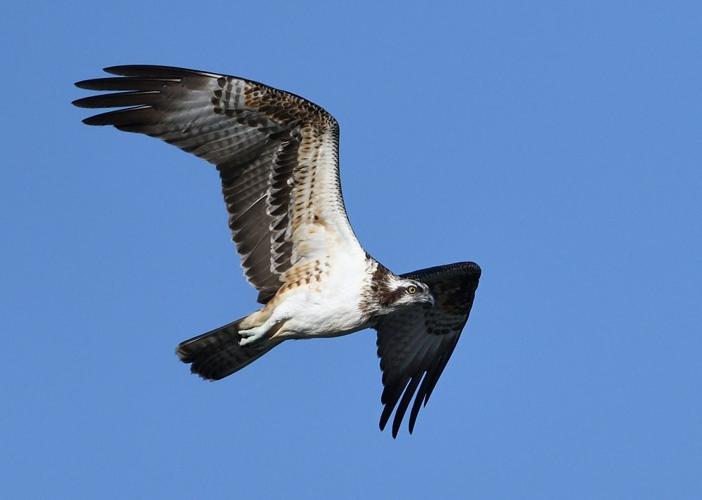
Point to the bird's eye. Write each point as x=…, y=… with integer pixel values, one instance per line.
x=411, y=289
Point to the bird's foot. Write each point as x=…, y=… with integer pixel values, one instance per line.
x=251, y=335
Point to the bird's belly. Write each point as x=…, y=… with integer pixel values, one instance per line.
x=326, y=296
x=316, y=315
x=325, y=319
x=325, y=323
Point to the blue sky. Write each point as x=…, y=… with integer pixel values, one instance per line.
x=557, y=144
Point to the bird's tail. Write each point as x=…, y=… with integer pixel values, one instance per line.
x=217, y=354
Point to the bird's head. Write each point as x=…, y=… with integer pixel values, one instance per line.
x=402, y=292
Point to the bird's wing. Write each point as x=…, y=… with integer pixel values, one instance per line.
x=276, y=153
x=415, y=343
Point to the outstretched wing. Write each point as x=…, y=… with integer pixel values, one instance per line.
x=415, y=344
x=276, y=153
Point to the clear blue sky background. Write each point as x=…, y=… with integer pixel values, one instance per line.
x=557, y=144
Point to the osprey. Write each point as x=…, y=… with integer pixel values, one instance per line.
x=278, y=159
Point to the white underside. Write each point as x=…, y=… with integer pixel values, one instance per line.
x=326, y=308
x=329, y=307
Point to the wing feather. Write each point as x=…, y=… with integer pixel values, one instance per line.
x=415, y=343
x=276, y=153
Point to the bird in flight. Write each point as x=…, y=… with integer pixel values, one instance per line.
x=277, y=155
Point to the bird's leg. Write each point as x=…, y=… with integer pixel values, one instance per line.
x=256, y=318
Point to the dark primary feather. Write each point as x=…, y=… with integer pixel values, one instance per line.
x=415, y=343
x=250, y=131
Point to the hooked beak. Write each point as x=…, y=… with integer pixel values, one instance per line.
x=430, y=299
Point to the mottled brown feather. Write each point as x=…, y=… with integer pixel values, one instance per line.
x=265, y=143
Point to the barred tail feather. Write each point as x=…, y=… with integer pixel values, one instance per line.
x=217, y=354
